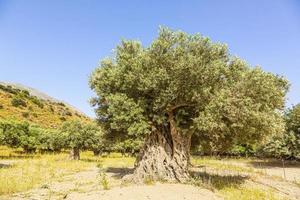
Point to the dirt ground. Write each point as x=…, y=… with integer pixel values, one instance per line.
x=86, y=185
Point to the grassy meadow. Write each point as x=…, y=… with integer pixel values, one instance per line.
x=228, y=178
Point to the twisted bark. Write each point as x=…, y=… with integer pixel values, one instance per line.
x=164, y=156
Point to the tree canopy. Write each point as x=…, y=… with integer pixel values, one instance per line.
x=182, y=86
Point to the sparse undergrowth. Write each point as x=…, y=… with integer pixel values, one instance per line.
x=25, y=174
x=19, y=105
x=22, y=172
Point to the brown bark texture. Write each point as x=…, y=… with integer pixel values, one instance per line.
x=164, y=156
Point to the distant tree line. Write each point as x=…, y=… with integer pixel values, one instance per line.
x=75, y=136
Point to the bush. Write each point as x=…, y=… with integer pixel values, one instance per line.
x=1, y=106
x=51, y=108
x=66, y=113
x=8, y=89
x=242, y=150
x=38, y=102
x=25, y=93
x=25, y=114
x=17, y=101
x=61, y=104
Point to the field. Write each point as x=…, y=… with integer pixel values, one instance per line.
x=53, y=176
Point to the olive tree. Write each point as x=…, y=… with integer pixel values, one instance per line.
x=79, y=136
x=286, y=145
x=181, y=86
x=51, y=140
x=19, y=134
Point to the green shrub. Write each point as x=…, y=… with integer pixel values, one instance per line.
x=17, y=101
x=8, y=89
x=38, y=102
x=61, y=104
x=25, y=114
x=66, y=113
x=25, y=93
x=51, y=108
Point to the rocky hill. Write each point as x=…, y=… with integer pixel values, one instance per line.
x=19, y=102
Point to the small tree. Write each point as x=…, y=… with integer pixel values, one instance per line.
x=51, y=140
x=99, y=144
x=286, y=145
x=79, y=136
x=19, y=134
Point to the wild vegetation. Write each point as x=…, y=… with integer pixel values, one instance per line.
x=183, y=110
x=18, y=105
x=183, y=88
x=54, y=176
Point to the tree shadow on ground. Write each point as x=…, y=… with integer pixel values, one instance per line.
x=90, y=160
x=217, y=181
x=16, y=156
x=2, y=166
x=274, y=163
x=119, y=172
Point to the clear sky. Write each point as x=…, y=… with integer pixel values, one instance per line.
x=54, y=45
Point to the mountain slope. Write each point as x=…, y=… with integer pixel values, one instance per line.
x=19, y=102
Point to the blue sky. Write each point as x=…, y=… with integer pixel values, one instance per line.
x=54, y=45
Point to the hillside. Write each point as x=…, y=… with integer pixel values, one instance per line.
x=23, y=103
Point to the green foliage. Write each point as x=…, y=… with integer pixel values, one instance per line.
x=51, y=140
x=25, y=114
x=36, y=101
x=66, y=113
x=18, y=101
x=24, y=93
x=218, y=98
x=18, y=134
x=286, y=145
x=243, y=150
x=103, y=180
x=73, y=134
x=61, y=104
x=80, y=135
x=129, y=146
x=8, y=89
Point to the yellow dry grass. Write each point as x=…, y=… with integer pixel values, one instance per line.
x=50, y=116
x=22, y=172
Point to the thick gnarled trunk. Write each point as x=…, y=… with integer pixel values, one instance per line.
x=74, y=154
x=164, y=157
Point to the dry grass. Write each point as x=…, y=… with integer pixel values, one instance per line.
x=231, y=180
x=25, y=174
x=22, y=172
x=49, y=116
